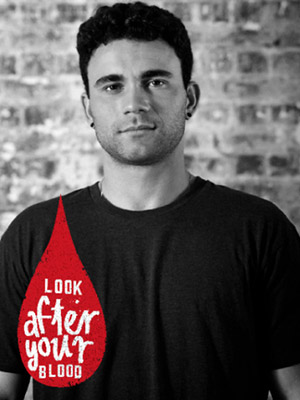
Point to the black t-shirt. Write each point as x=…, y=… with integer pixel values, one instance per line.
x=200, y=297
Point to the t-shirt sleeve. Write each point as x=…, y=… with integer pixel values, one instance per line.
x=13, y=282
x=281, y=294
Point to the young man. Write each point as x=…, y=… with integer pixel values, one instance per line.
x=199, y=284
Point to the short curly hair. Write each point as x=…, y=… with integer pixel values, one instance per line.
x=134, y=21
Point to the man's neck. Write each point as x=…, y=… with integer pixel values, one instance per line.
x=140, y=188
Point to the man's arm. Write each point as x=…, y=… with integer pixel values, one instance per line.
x=285, y=383
x=13, y=386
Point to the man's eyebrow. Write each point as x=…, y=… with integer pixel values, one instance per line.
x=109, y=78
x=156, y=72
x=145, y=75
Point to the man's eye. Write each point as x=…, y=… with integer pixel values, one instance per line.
x=156, y=83
x=113, y=87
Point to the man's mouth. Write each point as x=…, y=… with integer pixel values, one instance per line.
x=142, y=127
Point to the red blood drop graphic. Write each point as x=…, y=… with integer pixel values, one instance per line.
x=61, y=330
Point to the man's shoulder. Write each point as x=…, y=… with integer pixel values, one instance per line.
x=41, y=216
x=236, y=197
x=225, y=200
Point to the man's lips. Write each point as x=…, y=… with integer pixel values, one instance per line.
x=142, y=127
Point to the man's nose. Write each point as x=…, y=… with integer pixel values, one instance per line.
x=136, y=100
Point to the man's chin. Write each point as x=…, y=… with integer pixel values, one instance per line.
x=137, y=159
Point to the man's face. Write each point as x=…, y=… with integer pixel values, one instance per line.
x=137, y=100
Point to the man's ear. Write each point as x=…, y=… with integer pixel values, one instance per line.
x=87, y=107
x=193, y=96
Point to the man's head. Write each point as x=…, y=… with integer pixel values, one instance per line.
x=136, y=64
x=134, y=21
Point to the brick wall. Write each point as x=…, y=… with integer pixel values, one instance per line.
x=246, y=133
